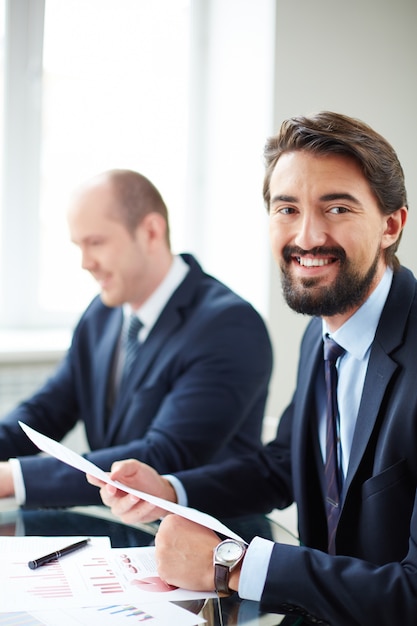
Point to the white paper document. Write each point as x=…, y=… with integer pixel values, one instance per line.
x=89, y=577
x=75, y=460
x=154, y=614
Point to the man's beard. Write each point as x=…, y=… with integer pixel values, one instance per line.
x=348, y=290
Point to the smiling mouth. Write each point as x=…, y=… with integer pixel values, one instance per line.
x=313, y=262
x=320, y=256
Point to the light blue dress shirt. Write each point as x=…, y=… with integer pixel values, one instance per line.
x=356, y=336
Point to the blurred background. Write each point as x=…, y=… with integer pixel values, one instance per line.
x=185, y=92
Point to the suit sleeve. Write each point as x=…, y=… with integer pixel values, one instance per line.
x=254, y=483
x=342, y=590
x=52, y=410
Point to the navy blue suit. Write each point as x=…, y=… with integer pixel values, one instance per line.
x=196, y=393
x=373, y=578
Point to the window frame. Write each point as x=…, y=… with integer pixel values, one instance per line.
x=24, y=22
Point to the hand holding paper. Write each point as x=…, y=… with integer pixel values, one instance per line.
x=73, y=459
x=137, y=475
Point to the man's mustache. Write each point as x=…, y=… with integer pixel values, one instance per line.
x=289, y=252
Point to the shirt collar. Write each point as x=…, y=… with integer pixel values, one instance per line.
x=149, y=312
x=358, y=332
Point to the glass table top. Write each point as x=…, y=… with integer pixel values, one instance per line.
x=98, y=521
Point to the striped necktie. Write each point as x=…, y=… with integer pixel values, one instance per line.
x=131, y=345
x=332, y=351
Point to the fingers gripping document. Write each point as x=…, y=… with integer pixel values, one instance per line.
x=70, y=457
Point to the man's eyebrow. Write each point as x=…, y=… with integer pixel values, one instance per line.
x=330, y=197
x=283, y=198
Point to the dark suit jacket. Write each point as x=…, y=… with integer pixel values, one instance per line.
x=196, y=394
x=373, y=580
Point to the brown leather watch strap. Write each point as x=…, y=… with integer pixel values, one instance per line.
x=221, y=579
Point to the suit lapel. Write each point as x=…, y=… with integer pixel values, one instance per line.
x=382, y=364
x=157, y=341
x=305, y=445
x=305, y=411
x=380, y=370
x=104, y=368
x=170, y=321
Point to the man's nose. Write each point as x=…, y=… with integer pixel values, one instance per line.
x=311, y=232
x=87, y=261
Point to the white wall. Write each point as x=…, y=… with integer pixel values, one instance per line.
x=232, y=112
x=357, y=58
x=268, y=60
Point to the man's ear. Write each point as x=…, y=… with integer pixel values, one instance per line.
x=154, y=226
x=395, y=223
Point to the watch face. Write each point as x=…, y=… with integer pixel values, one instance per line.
x=229, y=551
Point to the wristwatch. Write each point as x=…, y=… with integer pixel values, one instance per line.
x=227, y=555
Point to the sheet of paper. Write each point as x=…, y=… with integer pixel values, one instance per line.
x=87, y=577
x=70, y=457
x=156, y=614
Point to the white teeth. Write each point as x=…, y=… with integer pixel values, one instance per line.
x=312, y=262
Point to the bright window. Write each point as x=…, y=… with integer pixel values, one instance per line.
x=179, y=90
x=2, y=27
x=113, y=94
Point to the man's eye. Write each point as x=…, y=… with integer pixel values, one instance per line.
x=338, y=209
x=286, y=210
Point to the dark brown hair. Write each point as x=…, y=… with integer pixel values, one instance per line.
x=332, y=133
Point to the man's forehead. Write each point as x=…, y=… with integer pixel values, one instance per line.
x=291, y=167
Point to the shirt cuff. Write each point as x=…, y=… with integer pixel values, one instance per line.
x=255, y=568
x=179, y=489
x=19, y=483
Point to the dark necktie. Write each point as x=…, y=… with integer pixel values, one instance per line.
x=131, y=345
x=332, y=351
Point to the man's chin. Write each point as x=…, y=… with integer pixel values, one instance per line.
x=109, y=300
x=310, y=298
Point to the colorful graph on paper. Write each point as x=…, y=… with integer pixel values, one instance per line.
x=155, y=614
x=86, y=577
